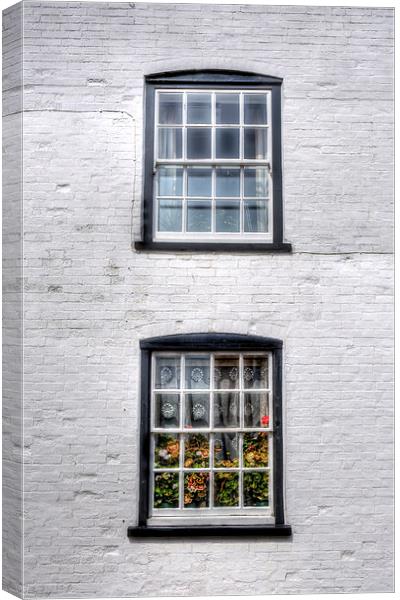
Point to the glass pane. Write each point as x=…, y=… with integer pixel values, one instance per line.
x=255, y=372
x=197, y=370
x=170, y=181
x=197, y=411
x=255, y=449
x=170, y=109
x=255, y=216
x=166, y=490
x=227, y=143
x=255, y=143
x=166, y=451
x=256, y=488
x=226, y=410
x=226, y=489
x=256, y=182
x=199, y=108
x=227, y=109
x=226, y=452
x=170, y=142
x=198, y=142
x=168, y=372
x=197, y=451
x=228, y=216
x=199, y=215
x=196, y=491
x=169, y=215
x=255, y=109
x=226, y=372
x=167, y=410
x=256, y=410
x=199, y=181
x=228, y=182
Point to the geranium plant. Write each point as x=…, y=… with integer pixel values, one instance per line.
x=196, y=490
x=256, y=488
x=166, y=490
x=166, y=451
x=255, y=449
x=197, y=451
x=226, y=489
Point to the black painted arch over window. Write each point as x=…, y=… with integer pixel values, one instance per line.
x=223, y=80
x=210, y=342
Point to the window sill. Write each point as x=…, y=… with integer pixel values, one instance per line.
x=207, y=530
x=184, y=246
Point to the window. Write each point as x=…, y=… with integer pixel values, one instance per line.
x=211, y=437
x=213, y=162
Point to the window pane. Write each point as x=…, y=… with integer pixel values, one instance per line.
x=169, y=215
x=168, y=372
x=169, y=143
x=197, y=372
x=255, y=109
x=256, y=410
x=167, y=408
x=226, y=452
x=256, y=182
x=199, y=108
x=199, y=216
x=196, y=491
x=166, y=451
x=170, y=109
x=197, y=411
x=228, y=182
x=227, y=109
x=255, y=372
x=226, y=372
x=228, y=216
x=256, y=488
x=199, y=181
x=226, y=489
x=255, y=450
x=170, y=181
x=166, y=490
x=255, y=216
x=227, y=143
x=226, y=410
x=197, y=451
x=255, y=143
x=198, y=142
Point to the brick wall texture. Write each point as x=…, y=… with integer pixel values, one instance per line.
x=89, y=298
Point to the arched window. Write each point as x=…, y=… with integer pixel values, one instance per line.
x=213, y=176
x=211, y=436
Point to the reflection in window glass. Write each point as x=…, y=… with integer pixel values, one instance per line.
x=198, y=142
x=256, y=182
x=255, y=109
x=199, y=181
x=199, y=215
x=228, y=216
x=169, y=214
x=227, y=182
x=170, y=109
x=227, y=109
x=199, y=108
x=170, y=181
x=255, y=216
x=255, y=143
x=169, y=143
x=227, y=143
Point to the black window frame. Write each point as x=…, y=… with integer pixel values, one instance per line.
x=218, y=79
x=209, y=342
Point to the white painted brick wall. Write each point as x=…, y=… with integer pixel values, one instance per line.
x=89, y=298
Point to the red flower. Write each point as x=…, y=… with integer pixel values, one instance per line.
x=265, y=420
